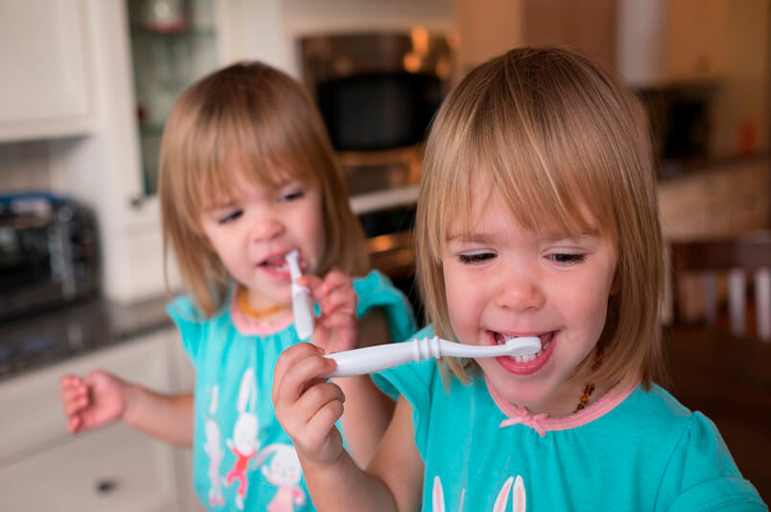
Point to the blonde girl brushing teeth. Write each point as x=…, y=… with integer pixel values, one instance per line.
x=537, y=217
x=247, y=175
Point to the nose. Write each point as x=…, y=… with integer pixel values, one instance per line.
x=519, y=289
x=265, y=227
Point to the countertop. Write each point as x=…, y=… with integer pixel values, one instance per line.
x=46, y=338
x=674, y=169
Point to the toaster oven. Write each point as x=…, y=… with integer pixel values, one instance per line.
x=48, y=252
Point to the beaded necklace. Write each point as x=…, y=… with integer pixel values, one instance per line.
x=243, y=304
x=589, y=389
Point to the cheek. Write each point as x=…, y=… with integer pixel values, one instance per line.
x=462, y=297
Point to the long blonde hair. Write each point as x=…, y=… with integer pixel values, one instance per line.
x=557, y=134
x=266, y=120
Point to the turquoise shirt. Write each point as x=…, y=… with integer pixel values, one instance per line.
x=242, y=458
x=642, y=451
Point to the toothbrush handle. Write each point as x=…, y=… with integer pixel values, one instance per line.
x=380, y=357
x=302, y=312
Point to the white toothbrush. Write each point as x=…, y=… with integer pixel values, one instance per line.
x=302, y=305
x=382, y=357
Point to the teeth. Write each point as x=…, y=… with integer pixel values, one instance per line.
x=501, y=339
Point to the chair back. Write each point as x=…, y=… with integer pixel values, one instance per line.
x=730, y=260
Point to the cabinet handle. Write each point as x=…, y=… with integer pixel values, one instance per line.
x=106, y=486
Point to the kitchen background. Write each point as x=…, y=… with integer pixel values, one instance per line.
x=85, y=90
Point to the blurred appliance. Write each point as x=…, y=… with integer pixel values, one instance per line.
x=48, y=252
x=377, y=94
x=680, y=122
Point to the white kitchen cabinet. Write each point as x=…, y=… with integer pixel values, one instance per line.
x=105, y=169
x=667, y=42
x=114, y=468
x=45, y=63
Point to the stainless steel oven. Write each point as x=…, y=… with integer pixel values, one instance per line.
x=377, y=94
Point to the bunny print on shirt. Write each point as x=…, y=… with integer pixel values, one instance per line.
x=244, y=443
x=515, y=485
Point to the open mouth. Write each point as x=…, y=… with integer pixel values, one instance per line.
x=526, y=363
x=275, y=263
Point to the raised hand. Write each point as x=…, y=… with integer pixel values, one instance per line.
x=308, y=406
x=337, y=327
x=93, y=400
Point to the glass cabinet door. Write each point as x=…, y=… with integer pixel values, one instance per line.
x=173, y=44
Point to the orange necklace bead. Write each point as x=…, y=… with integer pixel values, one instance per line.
x=243, y=304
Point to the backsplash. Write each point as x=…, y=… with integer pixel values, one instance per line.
x=24, y=166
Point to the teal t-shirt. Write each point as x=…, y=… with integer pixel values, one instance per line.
x=242, y=458
x=644, y=452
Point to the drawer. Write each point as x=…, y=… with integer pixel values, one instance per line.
x=32, y=413
x=113, y=469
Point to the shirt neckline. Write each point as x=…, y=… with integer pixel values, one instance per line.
x=251, y=327
x=542, y=423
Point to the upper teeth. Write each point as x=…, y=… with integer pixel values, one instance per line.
x=525, y=358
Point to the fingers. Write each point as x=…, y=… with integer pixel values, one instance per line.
x=297, y=367
x=307, y=406
x=74, y=394
x=335, y=293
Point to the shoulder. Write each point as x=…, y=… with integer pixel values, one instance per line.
x=192, y=324
x=377, y=295
x=374, y=283
x=698, y=471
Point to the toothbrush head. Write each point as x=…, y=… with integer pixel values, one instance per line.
x=523, y=346
x=292, y=260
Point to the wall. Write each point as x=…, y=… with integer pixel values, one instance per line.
x=24, y=166
x=743, y=96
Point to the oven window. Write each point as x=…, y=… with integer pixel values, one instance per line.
x=375, y=111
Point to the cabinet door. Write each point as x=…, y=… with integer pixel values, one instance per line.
x=43, y=58
x=111, y=468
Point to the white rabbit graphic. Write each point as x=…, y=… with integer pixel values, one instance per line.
x=519, y=503
x=285, y=473
x=214, y=451
x=244, y=443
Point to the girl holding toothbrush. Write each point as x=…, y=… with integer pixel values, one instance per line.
x=537, y=217
x=248, y=177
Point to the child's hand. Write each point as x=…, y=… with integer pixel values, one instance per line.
x=92, y=401
x=308, y=406
x=337, y=326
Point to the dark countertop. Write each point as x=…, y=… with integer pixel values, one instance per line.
x=47, y=338
x=673, y=169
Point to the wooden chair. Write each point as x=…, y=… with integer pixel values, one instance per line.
x=732, y=259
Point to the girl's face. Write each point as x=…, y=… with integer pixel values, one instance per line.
x=503, y=279
x=253, y=230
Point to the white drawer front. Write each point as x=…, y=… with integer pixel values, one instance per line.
x=113, y=469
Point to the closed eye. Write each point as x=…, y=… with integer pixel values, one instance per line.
x=475, y=257
x=230, y=217
x=567, y=258
x=292, y=194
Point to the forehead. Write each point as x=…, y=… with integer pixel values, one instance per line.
x=490, y=204
x=236, y=180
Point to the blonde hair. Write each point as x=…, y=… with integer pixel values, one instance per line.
x=265, y=120
x=559, y=138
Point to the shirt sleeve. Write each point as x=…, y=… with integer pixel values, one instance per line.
x=189, y=321
x=376, y=291
x=707, y=476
